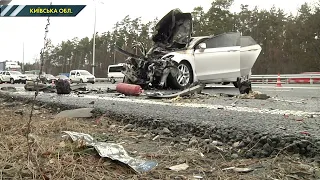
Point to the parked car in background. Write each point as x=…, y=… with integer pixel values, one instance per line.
x=304, y=80
x=64, y=77
x=12, y=77
x=81, y=76
x=115, y=72
x=31, y=77
x=49, y=78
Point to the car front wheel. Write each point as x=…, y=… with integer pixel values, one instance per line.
x=12, y=81
x=183, y=79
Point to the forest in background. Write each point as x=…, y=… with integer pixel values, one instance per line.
x=290, y=43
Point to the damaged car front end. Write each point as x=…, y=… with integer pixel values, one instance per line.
x=178, y=60
x=153, y=68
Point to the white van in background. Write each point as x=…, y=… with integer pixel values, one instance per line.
x=114, y=72
x=81, y=76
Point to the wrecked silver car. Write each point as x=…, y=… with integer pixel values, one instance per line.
x=177, y=60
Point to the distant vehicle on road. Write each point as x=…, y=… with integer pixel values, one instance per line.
x=10, y=66
x=12, y=77
x=114, y=72
x=81, y=76
x=65, y=74
x=304, y=80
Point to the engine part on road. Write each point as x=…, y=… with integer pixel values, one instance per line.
x=63, y=86
x=129, y=89
x=186, y=92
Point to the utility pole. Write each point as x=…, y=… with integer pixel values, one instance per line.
x=22, y=57
x=94, y=38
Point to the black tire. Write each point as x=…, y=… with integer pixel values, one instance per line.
x=71, y=81
x=24, y=82
x=1, y=81
x=12, y=81
x=235, y=84
x=81, y=81
x=93, y=82
x=172, y=82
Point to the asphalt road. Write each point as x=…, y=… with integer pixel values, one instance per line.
x=263, y=115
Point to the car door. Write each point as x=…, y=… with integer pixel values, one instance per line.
x=250, y=51
x=220, y=59
x=7, y=76
x=72, y=76
x=2, y=75
x=78, y=76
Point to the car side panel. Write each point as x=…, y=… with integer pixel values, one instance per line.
x=249, y=55
x=217, y=63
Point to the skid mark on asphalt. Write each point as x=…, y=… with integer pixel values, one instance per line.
x=211, y=106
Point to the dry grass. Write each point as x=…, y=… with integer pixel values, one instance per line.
x=56, y=158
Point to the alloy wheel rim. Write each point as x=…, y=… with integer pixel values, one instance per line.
x=184, y=75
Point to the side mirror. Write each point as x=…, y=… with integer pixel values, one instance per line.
x=202, y=46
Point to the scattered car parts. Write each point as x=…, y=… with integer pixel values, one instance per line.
x=113, y=151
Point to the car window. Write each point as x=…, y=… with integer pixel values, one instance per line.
x=115, y=68
x=246, y=41
x=7, y=73
x=84, y=73
x=78, y=74
x=223, y=40
x=73, y=73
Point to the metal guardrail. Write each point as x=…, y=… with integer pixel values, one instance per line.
x=271, y=79
x=286, y=78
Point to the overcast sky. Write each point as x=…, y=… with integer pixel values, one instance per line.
x=30, y=30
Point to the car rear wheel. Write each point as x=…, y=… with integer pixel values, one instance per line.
x=183, y=79
x=81, y=81
x=12, y=81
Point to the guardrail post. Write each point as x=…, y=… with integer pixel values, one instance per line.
x=267, y=81
x=311, y=80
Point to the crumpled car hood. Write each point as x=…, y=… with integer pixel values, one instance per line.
x=174, y=29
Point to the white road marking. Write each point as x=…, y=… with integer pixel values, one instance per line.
x=208, y=106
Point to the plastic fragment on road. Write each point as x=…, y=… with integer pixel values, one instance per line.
x=305, y=133
x=179, y=167
x=114, y=152
x=129, y=89
x=76, y=113
x=254, y=95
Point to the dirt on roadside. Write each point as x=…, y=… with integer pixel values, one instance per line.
x=52, y=157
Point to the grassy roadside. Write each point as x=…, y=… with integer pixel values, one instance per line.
x=54, y=157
